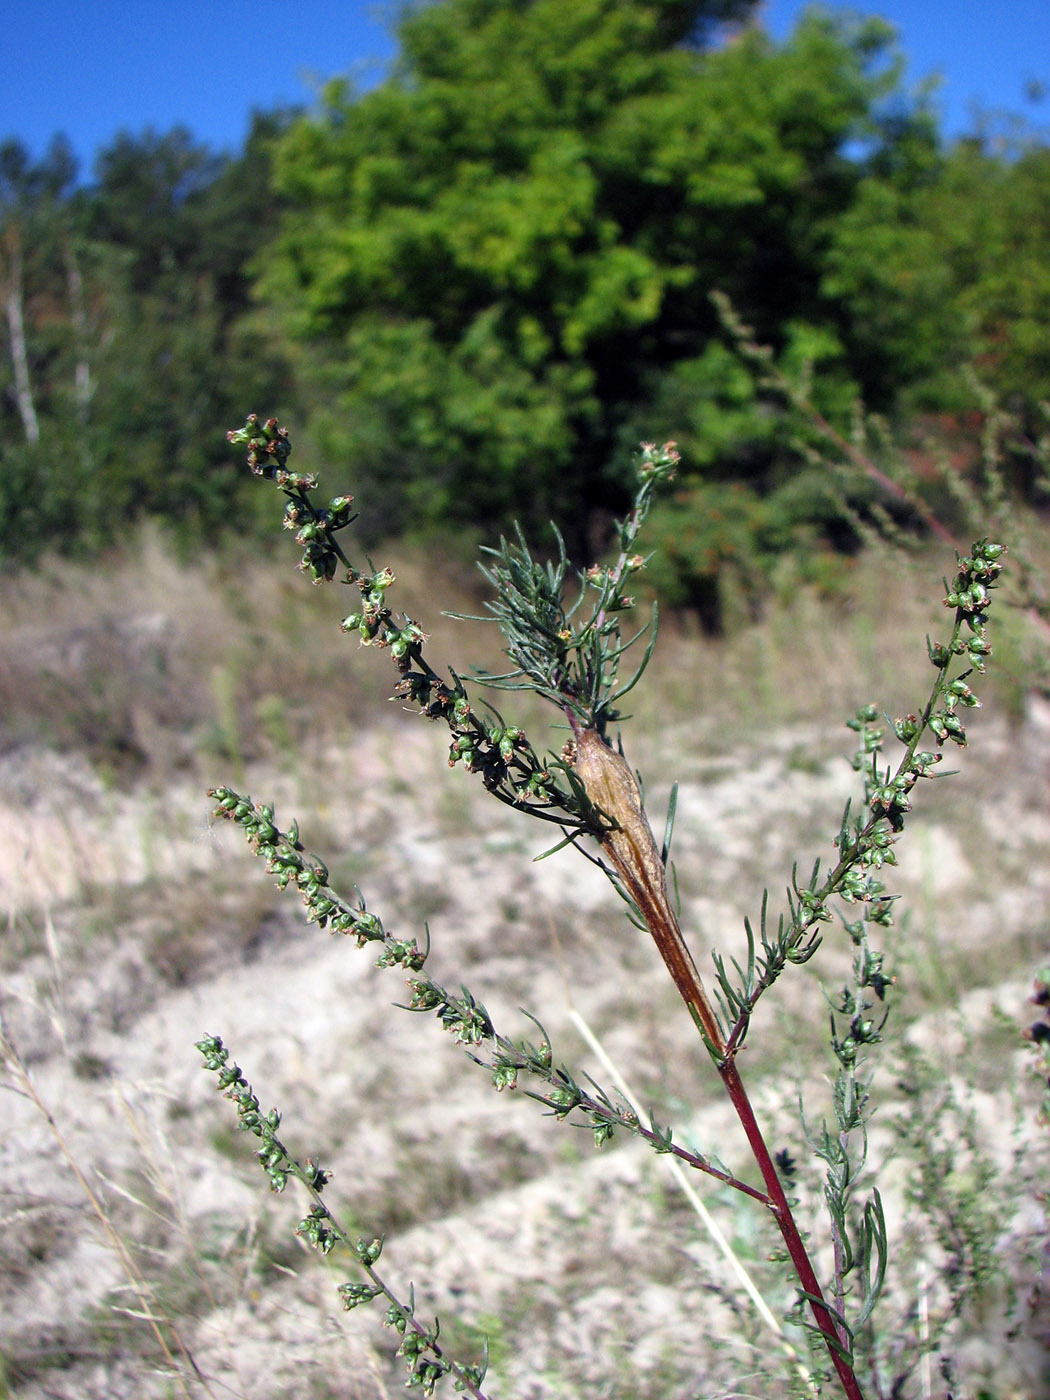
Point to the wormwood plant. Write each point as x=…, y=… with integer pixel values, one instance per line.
x=565, y=640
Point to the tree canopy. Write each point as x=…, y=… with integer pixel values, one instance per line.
x=131, y=354
x=481, y=283
x=507, y=243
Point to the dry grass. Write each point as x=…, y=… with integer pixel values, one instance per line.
x=132, y=929
x=151, y=666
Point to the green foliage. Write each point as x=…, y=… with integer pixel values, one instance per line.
x=756, y=487
x=505, y=251
x=132, y=294
x=486, y=279
x=947, y=267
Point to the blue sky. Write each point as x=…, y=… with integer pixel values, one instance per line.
x=94, y=67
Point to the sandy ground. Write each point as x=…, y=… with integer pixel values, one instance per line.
x=133, y=927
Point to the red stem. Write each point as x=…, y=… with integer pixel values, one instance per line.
x=781, y=1211
x=631, y=849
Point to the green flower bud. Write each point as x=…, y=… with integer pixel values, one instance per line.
x=353, y=1294
x=954, y=729
x=906, y=728
x=368, y=1251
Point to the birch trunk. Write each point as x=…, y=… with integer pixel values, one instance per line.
x=82, y=385
x=17, y=337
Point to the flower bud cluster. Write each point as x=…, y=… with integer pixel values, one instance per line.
x=287, y=859
x=232, y=1084
x=867, y=846
x=500, y=753
x=563, y=1093
x=658, y=463
x=419, y=1347
x=269, y=448
x=465, y=1019
x=375, y=622
x=892, y=798
x=855, y=1006
x=354, y=1294
x=314, y=530
x=970, y=596
x=318, y=1227
x=315, y=1229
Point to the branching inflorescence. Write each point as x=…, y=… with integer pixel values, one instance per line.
x=569, y=652
x=425, y=1359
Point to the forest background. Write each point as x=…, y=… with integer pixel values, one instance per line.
x=480, y=284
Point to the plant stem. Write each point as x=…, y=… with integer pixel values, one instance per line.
x=781, y=1212
x=668, y=939
x=631, y=849
x=633, y=853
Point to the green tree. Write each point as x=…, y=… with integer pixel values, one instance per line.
x=946, y=269
x=176, y=228
x=126, y=310
x=34, y=237
x=492, y=259
x=145, y=198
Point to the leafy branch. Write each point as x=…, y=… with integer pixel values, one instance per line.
x=485, y=744
x=463, y=1016
x=425, y=1359
x=574, y=665
x=865, y=842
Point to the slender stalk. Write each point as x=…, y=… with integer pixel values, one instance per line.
x=710, y=1224
x=668, y=939
x=781, y=1211
x=632, y=851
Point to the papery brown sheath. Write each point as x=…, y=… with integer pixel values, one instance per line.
x=631, y=849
